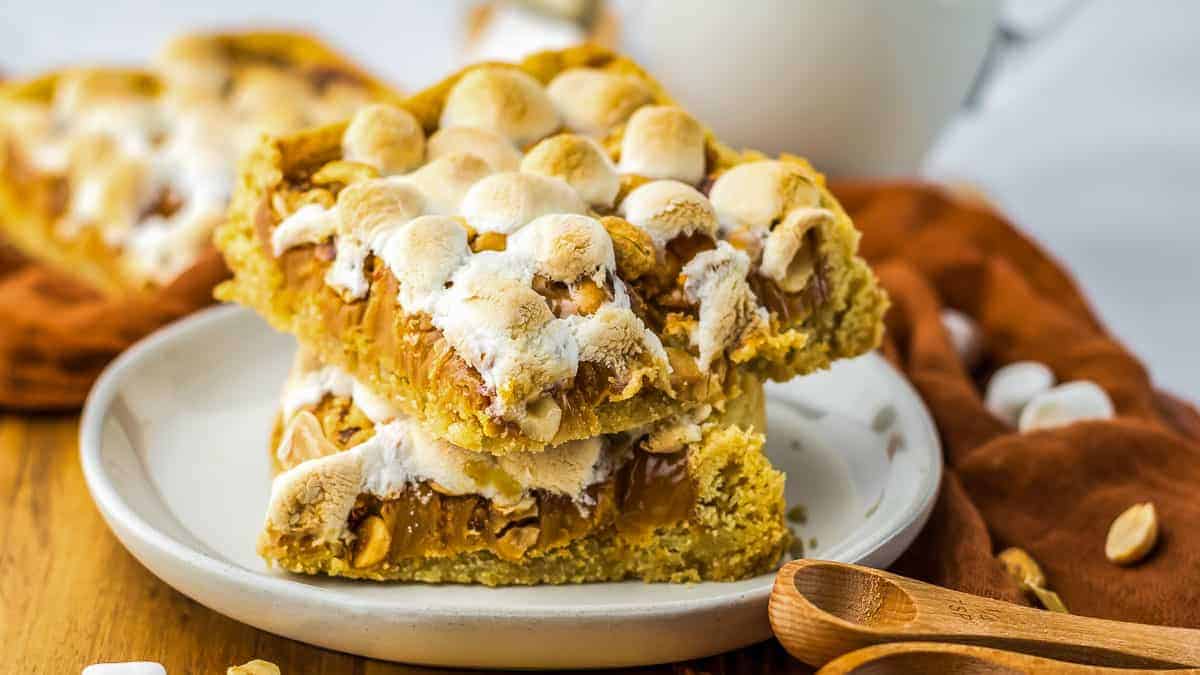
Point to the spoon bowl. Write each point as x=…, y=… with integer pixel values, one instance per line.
x=820, y=610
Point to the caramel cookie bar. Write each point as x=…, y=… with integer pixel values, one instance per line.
x=118, y=177
x=363, y=491
x=526, y=255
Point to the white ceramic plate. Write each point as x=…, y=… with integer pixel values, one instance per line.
x=174, y=448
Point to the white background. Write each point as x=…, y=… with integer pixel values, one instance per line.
x=1087, y=131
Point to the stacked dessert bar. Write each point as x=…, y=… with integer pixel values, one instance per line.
x=535, y=305
x=119, y=176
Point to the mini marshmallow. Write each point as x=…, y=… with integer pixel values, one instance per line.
x=666, y=209
x=370, y=206
x=505, y=329
x=423, y=255
x=446, y=180
x=663, y=142
x=367, y=211
x=309, y=224
x=615, y=336
x=756, y=194
x=592, y=101
x=785, y=258
x=504, y=202
x=128, y=668
x=1014, y=386
x=504, y=100
x=566, y=247
x=716, y=279
x=581, y=162
x=489, y=146
x=386, y=137
x=1065, y=404
x=965, y=335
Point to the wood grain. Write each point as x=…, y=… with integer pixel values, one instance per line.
x=933, y=658
x=70, y=595
x=821, y=610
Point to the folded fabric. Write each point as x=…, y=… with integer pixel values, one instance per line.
x=1051, y=492
x=59, y=333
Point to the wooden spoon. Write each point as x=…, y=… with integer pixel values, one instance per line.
x=934, y=658
x=820, y=610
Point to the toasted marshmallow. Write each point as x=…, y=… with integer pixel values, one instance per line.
x=592, y=101
x=579, y=161
x=505, y=330
x=368, y=207
x=663, y=142
x=756, y=194
x=1066, y=404
x=446, y=180
x=716, y=279
x=315, y=497
x=491, y=147
x=507, y=101
x=666, y=209
x=785, y=258
x=566, y=247
x=423, y=255
x=309, y=224
x=368, y=211
x=386, y=137
x=504, y=202
x=615, y=336
x=566, y=469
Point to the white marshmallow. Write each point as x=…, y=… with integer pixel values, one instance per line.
x=664, y=142
x=504, y=100
x=128, y=668
x=505, y=202
x=1065, y=404
x=666, y=209
x=965, y=335
x=487, y=145
x=592, y=101
x=581, y=162
x=1014, y=386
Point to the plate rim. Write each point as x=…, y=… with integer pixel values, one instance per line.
x=113, y=507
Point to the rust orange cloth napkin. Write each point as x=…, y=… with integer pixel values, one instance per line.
x=1053, y=493
x=57, y=334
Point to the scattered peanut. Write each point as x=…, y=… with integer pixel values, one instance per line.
x=489, y=241
x=374, y=540
x=1023, y=568
x=1132, y=535
x=588, y=296
x=516, y=541
x=1050, y=600
x=255, y=667
x=1029, y=577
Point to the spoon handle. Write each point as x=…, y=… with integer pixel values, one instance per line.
x=820, y=610
x=916, y=658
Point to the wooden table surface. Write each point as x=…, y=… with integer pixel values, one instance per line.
x=70, y=595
